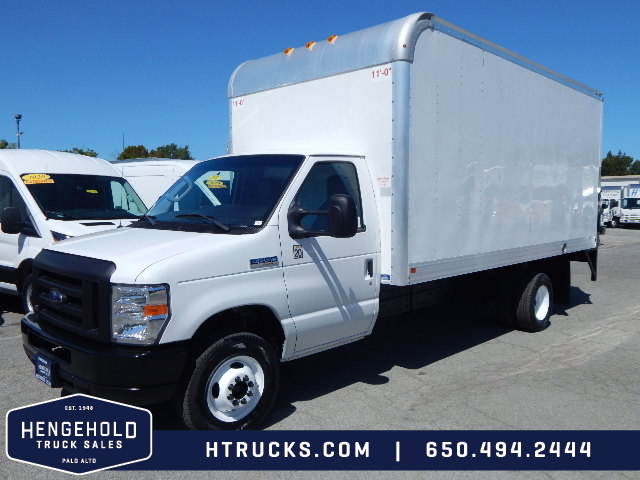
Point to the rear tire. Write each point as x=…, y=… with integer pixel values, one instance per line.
x=233, y=385
x=535, y=303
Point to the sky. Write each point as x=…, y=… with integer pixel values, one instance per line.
x=90, y=74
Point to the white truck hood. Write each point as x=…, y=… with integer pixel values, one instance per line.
x=166, y=256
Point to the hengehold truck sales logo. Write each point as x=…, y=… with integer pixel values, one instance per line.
x=79, y=434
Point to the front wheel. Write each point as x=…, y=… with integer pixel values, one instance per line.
x=614, y=223
x=25, y=295
x=233, y=385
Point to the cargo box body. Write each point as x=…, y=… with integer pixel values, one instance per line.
x=479, y=157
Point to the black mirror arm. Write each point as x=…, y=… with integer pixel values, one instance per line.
x=295, y=216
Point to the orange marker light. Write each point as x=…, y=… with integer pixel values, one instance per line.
x=412, y=270
x=310, y=45
x=332, y=39
x=153, y=310
x=288, y=51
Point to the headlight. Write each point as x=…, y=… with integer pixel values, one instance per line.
x=138, y=313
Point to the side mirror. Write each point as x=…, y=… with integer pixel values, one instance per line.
x=11, y=220
x=342, y=219
x=12, y=223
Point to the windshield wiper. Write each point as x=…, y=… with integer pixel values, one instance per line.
x=149, y=218
x=211, y=220
x=120, y=216
x=50, y=213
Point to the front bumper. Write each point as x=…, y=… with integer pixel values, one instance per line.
x=135, y=375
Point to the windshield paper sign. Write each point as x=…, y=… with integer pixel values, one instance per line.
x=79, y=434
x=36, y=178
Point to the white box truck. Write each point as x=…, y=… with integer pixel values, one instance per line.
x=48, y=196
x=323, y=220
x=611, y=198
x=151, y=177
x=630, y=206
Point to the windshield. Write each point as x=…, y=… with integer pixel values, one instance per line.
x=84, y=197
x=631, y=203
x=225, y=193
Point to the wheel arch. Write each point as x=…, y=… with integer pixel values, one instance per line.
x=257, y=319
x=23, y=271
x=558, y=269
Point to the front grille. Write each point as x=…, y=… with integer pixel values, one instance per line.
x=73, y=293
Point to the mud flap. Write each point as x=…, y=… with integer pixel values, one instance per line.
x=592, y=260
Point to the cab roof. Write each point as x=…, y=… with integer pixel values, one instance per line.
x=22, y=161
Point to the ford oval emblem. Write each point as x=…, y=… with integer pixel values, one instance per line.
x=57, y=297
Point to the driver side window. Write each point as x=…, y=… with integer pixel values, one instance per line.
x=326, y=179
x=10, y=197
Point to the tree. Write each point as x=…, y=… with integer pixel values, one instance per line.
x=134, y=151
x=89, y=152
x=6, y=145
x=172, y=151
x=618, y=164
x=635, y=168
x=165, y=151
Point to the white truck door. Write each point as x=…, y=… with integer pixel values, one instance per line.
x=331, y=283
x=12, y=246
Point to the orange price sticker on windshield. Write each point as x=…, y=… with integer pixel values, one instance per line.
x=35, y=178
x=214, y=182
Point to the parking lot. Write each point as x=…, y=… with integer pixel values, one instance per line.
x=449, y=367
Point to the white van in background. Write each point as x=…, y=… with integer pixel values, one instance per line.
x=47, y=196
x=151, y=177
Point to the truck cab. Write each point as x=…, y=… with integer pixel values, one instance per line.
x=611, y=198
x=630, y=205
x=279, y=226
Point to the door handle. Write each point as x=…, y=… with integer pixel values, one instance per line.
x=369, y=268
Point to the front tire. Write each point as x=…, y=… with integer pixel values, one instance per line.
x=233, y=385
x=614, y=223
x=25, y=295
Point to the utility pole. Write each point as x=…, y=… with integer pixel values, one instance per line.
x=18, y=117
